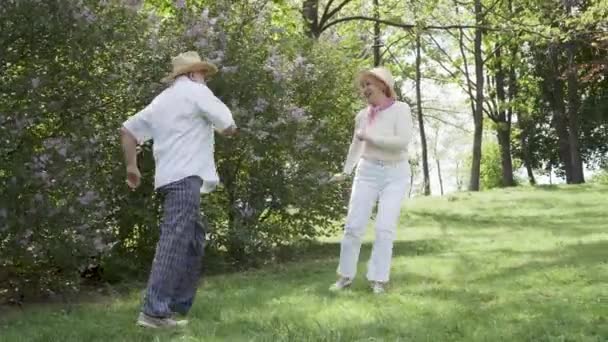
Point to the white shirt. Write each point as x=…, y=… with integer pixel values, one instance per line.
x=389, y=136
x=181, y=122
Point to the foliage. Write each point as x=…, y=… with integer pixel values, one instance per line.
x=491, y=168
x=71, y=77
x=601, y=177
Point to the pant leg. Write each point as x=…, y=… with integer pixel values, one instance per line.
x=181, y=210
x=362, y=199
x=185, y=290
x=389, y=208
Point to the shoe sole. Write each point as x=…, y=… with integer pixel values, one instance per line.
x=147, y=324
x=144, y=324
x=337, y=289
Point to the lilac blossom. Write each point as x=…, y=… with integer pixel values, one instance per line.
x=260, y=105
x=134, y=5
x=205, y=14
x=217, y=56
x=201, y=43
x=194, y=30
x=299, y=61
x=153, y=42
x=298, y=114
x=99, y=244
x=304, y=141
x=263, y=134
x=230, y=69
x=180, y=4
x=88, y=198
x=87, y=14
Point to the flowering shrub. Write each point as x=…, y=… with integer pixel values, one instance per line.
x=72, y=71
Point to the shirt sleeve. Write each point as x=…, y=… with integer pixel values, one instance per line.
x=139, y=124
x=355, y=149
x=403, y=133
x=213, y=108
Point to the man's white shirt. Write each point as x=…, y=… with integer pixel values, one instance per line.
x=181, y=122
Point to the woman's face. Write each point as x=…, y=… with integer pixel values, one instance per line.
x=373, y=90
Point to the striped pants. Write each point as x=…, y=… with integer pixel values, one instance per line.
x=176, y=268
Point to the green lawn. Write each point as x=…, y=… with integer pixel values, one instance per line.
x=511, y=265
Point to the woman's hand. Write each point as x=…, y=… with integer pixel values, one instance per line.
x=362, y=135
x=338, y=177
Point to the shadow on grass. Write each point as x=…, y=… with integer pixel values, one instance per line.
x=331, y=250
x=577, y=225
x=570, y=189
x=480, y=304
x=286, y=299
x=580, y=256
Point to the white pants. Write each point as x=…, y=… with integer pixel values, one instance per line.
x=374, y=181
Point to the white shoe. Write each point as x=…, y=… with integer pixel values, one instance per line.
x=341, y=284
x=378, y=287
x=153, y=322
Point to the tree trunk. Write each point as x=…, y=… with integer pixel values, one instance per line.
x=409, y=194
x=573, y=107
x=310, y=13
x=559, y=120
x=503, y=127
x=478, y=114
x=377, y=40
x=439, y=175
x=524, y=127
x=530, y=172
x=458, y=180
x=504, y=142
x=425, y=158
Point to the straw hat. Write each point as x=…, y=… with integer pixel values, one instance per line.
x=383, y=75
x=189, y=62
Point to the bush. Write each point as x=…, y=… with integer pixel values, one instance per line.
x=601, y=177
x=71, y=76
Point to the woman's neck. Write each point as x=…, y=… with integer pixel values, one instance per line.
x=383, y=102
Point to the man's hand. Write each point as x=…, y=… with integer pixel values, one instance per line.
x=230, y=131
x=133, y=176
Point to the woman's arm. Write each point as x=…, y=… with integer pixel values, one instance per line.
x=403, y=133
x=355, y=149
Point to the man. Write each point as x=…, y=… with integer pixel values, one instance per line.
x=181, y=122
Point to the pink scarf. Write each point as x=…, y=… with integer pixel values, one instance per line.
x=374, y=110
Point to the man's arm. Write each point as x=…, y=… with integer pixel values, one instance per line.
x=129, y=148
x=216, y=111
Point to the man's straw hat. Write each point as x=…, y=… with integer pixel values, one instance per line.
x=188, y=62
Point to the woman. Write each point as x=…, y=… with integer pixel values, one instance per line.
x=383, y=131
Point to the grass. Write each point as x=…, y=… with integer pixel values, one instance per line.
x=512, y=265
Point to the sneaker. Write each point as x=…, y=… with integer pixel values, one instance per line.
x=378, y=287
x=152, y=322
x=341, y=284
